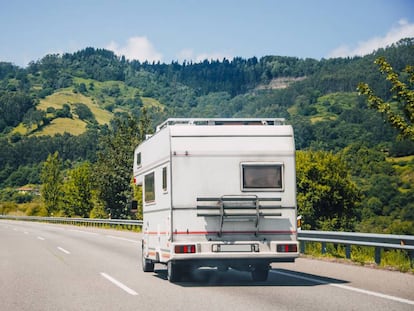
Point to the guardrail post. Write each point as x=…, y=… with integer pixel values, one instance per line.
x=377, y=255
x=323, y=248
x=302, y=246
x=348, y=251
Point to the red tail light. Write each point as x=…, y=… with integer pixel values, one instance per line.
x=287, y=248
x=184, y=249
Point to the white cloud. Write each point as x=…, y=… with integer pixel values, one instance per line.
x=140, y=48
x=403, y=30
x=189, y=55
x=136, y=48
x=185, y=55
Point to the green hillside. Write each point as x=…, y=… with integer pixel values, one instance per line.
x=103, y=99
x=67, y=96
x=76, y=103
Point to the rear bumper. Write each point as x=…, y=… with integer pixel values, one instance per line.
x=246, y=253
x=243, y=264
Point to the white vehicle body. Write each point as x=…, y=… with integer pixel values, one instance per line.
x=218, y=193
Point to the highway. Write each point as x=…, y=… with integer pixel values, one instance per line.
x=63, y=267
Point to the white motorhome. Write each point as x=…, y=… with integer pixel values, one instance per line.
x=218, y=193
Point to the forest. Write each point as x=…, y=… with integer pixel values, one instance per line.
x=81, y=114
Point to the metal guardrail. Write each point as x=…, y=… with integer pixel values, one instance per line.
x=78, y=221
x=379, y=241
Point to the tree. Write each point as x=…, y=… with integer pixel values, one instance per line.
x=50, y=66
x=64, y=112
x=82, y=88
x=144, y=124
x=400, y=116
x=114, y=166
x=13, y=106
x=34, y=116
x=78, y=191
x=327, y=197
x=84, y=112
x=52, y=181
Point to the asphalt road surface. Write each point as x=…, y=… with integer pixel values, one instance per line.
x=62, y=267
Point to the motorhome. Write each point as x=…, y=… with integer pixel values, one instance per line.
x=218, y=193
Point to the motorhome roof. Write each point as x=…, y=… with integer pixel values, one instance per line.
x=221, y=121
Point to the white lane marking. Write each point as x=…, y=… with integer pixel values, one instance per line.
x=80, y=231
x=119, y=284
x=354, y=289
x=41, y=238
x=63, y=250
x=26, y=232
x=122, y=239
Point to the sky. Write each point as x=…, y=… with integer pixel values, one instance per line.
x=195, y=30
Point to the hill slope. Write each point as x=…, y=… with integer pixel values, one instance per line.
x=65, y=102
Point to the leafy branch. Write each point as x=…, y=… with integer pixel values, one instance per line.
x=402, y=120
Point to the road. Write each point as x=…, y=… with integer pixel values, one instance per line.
x=62, y=267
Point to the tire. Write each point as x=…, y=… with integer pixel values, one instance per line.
x=173, y=272
x=260, y=274
x=147, y=264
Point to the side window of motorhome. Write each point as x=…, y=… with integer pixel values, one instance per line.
x=138, y=159
x=149, y=191
x=256, y=177
x=164, y=179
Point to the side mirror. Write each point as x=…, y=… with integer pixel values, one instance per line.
x=299, y=222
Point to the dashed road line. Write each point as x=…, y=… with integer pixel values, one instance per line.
x=81, y=231
x=63, y=250
x=119, y=284
x=122, y=239
x=40, y=238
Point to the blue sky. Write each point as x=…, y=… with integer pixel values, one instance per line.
x=178, y=30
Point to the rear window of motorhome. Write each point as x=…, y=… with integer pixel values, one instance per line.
x=149, y=191
x=262, y=177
